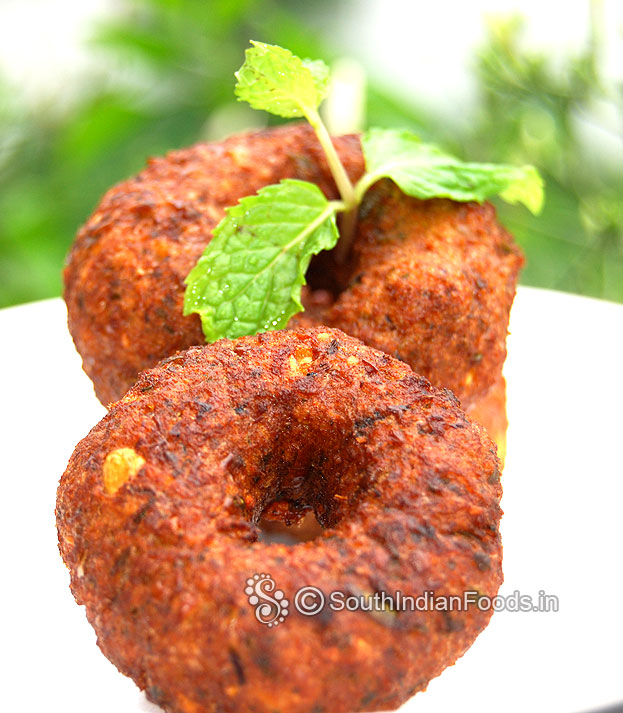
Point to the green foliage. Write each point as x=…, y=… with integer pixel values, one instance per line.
x=533, y=112
x=170, y=85
x=170, y=65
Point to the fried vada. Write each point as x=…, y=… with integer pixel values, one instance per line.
x=430, y=282
x=158, y=517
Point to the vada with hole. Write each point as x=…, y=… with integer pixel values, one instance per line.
x=158, y=516
x=428, y=281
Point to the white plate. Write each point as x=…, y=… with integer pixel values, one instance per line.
x=563, y=499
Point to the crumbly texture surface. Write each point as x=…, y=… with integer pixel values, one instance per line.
x=430, y=282
x=157, y=517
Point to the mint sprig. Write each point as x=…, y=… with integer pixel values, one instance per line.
x=250, y=275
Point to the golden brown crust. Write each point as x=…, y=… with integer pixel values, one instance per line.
x=405, y=485
x=431, y=282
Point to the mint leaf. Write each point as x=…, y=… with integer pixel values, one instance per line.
x=249, y=277
x=277, y=81
x=424, y=171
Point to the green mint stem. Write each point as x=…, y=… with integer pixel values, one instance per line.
x=342, y=181
x=348, y=221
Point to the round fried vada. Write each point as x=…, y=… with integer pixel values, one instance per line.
x=430, y=282
x=159, y=507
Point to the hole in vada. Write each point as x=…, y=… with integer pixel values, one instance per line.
x=311, y=470
x=278, y=531
x=326, y=280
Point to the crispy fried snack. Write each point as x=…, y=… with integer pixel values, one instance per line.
x=157, y=517
x=430, y=282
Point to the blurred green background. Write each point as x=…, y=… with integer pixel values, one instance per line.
x=172, y=85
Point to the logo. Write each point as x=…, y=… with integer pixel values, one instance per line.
x=272, y=607
x=269, y=610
